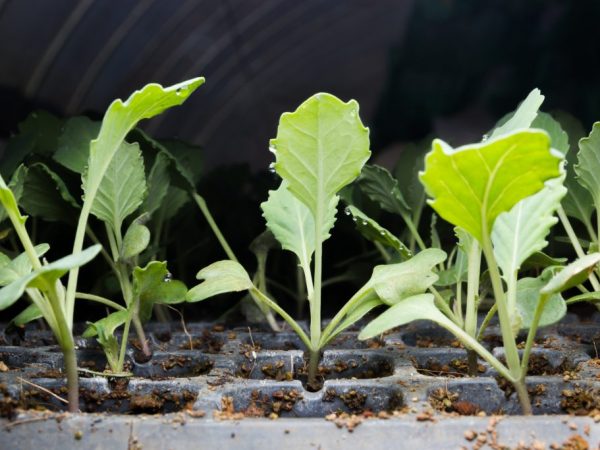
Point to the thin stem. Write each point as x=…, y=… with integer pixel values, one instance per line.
x=213, y=225
x=139, y=330
x=473, y=274
x=539, y=309
x=350, y=304
x=90, y=233
x=313, y=367
x=99, y=299
x=70, y=361
x=124, y=338
x=413, y=231
x=440, y=302
x=382, y=251
x=523, y=395
x=486, y=321
x=285, y=316
x=300, y=294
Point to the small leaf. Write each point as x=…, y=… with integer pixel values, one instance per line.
x=219, y=278
x=417, y=307
x=528, y=295
x=20, y=266
x=588, y=166
x=16, y=185
x=29, y=314
x=572, y=274
x=320, y=148
x=136, y=239
x=123, y=188
x=524, y=115
x=540, y=260
x=74, y=143
x=394, y=282
x=152, y=284
x=374, y=232
x=110, y=323
x=519, y=233
x=379, y=185
x=471, y=185
x=45, y=195
x=45, y=277
x=357, y=313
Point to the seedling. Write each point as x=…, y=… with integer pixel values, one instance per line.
x=104, y=196
x=319, y=149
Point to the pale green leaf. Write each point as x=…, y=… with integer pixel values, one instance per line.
x=528, y=295
x=29, y=314
x=136, y=239
x=121, y=117
x=471, y=185
x=524, y=115
x=394, y=282
x=109, y=324
x=45, y=277
x=20, y=266
x=417, y=307
x=588, y=166
x=374, y=232
x=519, y=233
x=219, y=278
x=74, y=143
x=379, y=185
x=153, y=284
x=572, y=274
x=123, y=187
x=319, y=149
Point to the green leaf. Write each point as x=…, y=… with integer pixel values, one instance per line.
x=16, y=185
x=374, y=232
x=123, y=187
x=379, y=185
x=588, y=167
x=540, y=260
x=472, y=185
x=109, y=324
x=74, y=143
x=369, y=303
x=45, y=195
x=406, y=172
x=558, y=138
x=45, y=277
x=158, y=183
x=528, y=295
x=20, y=266
x=417, y=307
x=121, y=117
x=292, y=223
x=524, y=115
x=29, y=314
x=572, y=274
x=521, y=232
x=152, y=284
x=219, y=278
x=394, y=282
x=319, y=149
x=136, y=238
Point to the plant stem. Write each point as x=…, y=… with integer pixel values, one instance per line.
x=523, y=395
x=139, y=330
x=98, y=299
x=327, y=334
x=313, y=368
x=474, y=270
x=414, y=232
x=213, y=226
x=472, y=362
x=70, y=361
x=486, y=321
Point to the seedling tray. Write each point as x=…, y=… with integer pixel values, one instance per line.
x=248, y=388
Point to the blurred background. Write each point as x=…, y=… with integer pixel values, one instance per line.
x=417, y=68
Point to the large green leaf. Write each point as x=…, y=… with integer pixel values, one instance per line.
x=395, y=282
x=46, y=196
x=416, y=307
x=528, y=295
x=522, y=117
x=588, y=167
x=379, y=185
x=121, y=117
x=519, y=233
x=123, y=187
x=471, y=185
x=371, y=230
x=319, y=149
x=152, y=284
x=74, y=143
x=219, y=278
x=45, y=277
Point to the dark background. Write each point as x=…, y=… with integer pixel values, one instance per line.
x=448, y=67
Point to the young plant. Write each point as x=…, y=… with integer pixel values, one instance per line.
x=480, y=189
x=319, y=149
x=104, y=196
